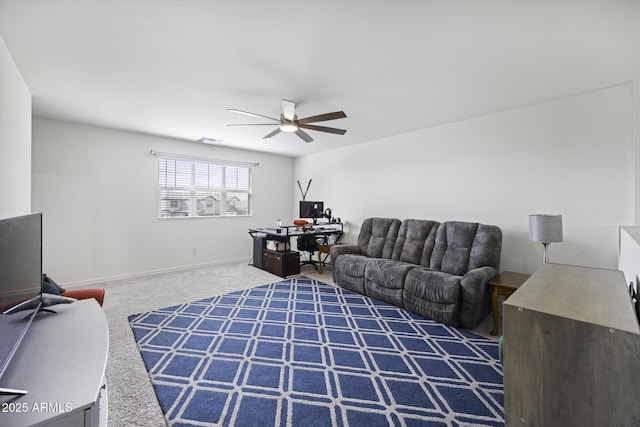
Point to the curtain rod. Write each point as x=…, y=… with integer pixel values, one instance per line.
x=201, y=159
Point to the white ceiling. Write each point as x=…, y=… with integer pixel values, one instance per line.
x=174, y=67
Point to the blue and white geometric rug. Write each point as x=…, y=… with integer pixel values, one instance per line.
x=303, y=353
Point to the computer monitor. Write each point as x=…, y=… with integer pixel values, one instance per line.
x=313, y=210
x=20, y=279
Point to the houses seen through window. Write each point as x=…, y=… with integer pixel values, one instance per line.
x=199, y=188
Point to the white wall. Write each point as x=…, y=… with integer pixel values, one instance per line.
x=629, y=237
x=15, y=138
x=572, y=156
x=97, y=189
x=636, y=145
x=629, y=255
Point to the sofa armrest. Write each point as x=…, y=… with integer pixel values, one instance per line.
x=338, y=250
x=475, y=296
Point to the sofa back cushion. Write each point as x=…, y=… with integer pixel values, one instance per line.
x=377, y=237
x=464, y=246
x=415, y=241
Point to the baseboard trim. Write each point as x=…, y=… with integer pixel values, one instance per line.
x=97, y=281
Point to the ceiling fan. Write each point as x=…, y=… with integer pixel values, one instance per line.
x=289, y=121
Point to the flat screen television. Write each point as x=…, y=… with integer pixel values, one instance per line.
x=21, y=290
x=313, y=210
x=20, y=280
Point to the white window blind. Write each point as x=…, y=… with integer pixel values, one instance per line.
x=203, y=188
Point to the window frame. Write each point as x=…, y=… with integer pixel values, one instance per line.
x=195, y=195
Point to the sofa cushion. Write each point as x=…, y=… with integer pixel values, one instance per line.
x=433, y=285
x=349, y=271
x=384, y=280
x=433, y=294
x=463, y=246
x=415, y=241
x=487, y=247
x=377, y=237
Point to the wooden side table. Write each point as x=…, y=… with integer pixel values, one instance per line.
x=504, y=284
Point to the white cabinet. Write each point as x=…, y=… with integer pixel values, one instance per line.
x=61, y=363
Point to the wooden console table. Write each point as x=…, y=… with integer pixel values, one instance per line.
x=571, y=346
x=61, y=364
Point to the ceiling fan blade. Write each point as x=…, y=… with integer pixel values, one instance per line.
x=323, y=129
x=322, y=117
x=303, y=135
x=252, y=124
x=233, y=110
x=275, y=132
x=288, y=109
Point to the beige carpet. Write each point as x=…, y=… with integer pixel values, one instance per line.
x=132, y=401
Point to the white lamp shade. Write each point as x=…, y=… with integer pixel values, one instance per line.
x=545, y=228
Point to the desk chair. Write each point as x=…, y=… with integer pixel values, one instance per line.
x=309, y=243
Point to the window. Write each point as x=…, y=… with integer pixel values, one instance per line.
x=203, y=188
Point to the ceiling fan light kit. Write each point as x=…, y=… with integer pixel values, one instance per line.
x=288, y=127
x=290, y=123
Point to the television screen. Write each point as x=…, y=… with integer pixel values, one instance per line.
x=20, y=278
x=311, y=209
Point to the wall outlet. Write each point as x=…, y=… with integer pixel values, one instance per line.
x=194, y=251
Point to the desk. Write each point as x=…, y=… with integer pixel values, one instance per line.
x=284, y=235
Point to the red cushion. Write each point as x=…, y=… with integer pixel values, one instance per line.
x=97, y=293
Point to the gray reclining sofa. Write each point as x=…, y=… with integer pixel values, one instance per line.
x=437, y=270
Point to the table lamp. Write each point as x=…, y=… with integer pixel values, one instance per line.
x=545, y=229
